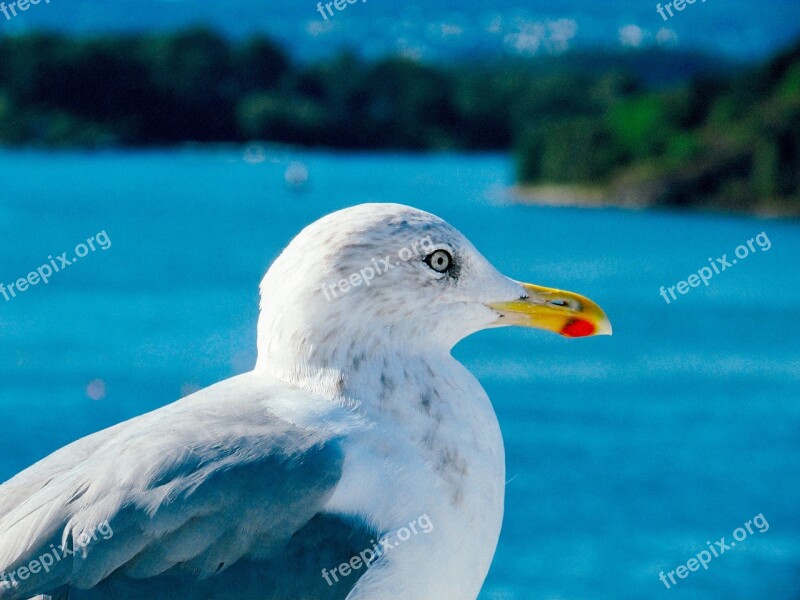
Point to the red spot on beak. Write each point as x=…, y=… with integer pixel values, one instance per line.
x=578, y=328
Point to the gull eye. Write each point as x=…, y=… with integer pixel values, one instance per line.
x=440, y=261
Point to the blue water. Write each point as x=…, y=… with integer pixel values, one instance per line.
x=625, y=454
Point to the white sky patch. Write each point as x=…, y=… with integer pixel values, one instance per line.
x=561, y=33
x=409, y=50
x=553, y=36
x=316, y=28
x=96, y=390
x=666, y=36
x=495, y=25
x=631, y=35
x=528, y=39
x=447, y=29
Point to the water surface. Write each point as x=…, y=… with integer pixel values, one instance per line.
x=625, y=454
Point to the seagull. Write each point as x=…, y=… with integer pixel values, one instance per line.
x=358, y=460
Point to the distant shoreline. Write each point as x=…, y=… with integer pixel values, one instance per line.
x=576, y=196
x=564, y=195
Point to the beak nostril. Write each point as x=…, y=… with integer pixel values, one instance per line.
x=564, y=303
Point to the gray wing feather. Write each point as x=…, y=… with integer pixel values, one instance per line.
x=196, y=486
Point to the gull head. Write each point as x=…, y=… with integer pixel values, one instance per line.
x=388, y=275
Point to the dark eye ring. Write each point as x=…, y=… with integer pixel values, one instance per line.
x=439, y=260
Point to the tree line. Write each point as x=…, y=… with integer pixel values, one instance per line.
x=647, y=125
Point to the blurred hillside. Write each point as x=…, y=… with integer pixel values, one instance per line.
x=646, y=126
x=721, y=143
x=198, y=86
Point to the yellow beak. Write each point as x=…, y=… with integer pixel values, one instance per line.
x=565, y=313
